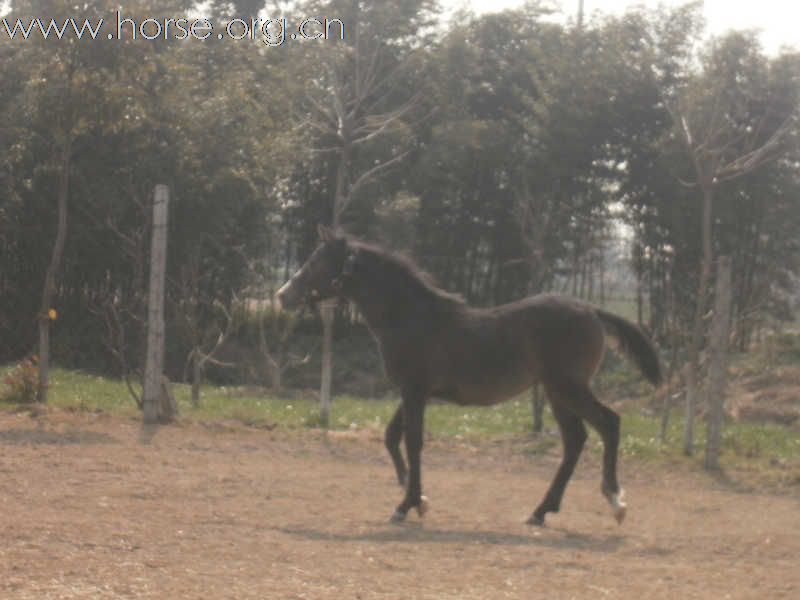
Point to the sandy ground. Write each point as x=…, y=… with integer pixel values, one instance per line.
x=95, y=507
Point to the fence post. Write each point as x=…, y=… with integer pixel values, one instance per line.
x=154, y=363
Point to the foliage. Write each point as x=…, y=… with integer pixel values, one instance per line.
x=22, y=382
x=533, y=152
x=787, y=347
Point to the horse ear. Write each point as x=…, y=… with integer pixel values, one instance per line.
x=326, y=234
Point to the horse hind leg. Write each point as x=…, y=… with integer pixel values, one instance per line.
x=585, y=404
x=573, y=437
x=618, y=507
x=607, y=423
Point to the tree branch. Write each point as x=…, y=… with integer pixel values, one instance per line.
x=370, y=174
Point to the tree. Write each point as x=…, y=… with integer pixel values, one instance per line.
x=207, y=344
x=729, y=131
x=718, y=362
x=356, y=107
x=46, y=312
x=142, y=112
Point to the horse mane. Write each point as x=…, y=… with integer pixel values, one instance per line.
x=408, y=274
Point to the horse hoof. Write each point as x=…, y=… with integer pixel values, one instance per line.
x=536, y=521
x=423, y=506
x=397, y=517
x=618, y=507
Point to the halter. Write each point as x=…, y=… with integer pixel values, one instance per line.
x=347, y=271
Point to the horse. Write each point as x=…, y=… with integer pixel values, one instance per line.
x=434, y=345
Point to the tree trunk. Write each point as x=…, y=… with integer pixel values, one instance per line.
x=340, y=200
x=50, y=274
x=537, y=406
x=276, y=378
x=718, y=347
x=168, y=408
x=671, y=323
x=665, y=410
x=152, y=404
x=639, y=300
x=698, y=327
x=327, y=314
x=197, y=377
x=602, y=282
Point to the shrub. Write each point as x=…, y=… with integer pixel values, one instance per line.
x=22, y=382
x=788, y=347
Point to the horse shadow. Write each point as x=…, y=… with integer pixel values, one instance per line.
x=417, y=533
x=46, y=437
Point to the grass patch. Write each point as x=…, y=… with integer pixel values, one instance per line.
x=74, y=390
x=770, y=450
x=744, y=440
x=348, y=412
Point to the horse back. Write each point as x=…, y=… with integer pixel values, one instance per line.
x=486, y=356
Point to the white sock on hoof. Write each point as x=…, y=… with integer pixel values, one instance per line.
x=423, y=507
x=618, y=507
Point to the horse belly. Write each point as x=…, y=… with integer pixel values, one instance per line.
x=485, y=375
x=492, y=390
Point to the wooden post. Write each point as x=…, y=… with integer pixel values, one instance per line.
x=154, y=364
x=326, y=312
x=717, y=373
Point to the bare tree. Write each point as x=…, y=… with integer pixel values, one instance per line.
x=116, y=343
x=122, y=311
x=278, y=359
x=534, y=219
x=205, y=348
x=720, y=150
x=349, y=115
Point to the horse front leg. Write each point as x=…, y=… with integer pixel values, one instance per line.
x=413, y=410
x=394, y=434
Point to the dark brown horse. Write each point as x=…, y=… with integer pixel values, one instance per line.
x=435, y=346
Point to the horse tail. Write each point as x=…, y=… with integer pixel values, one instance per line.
x=634, y=343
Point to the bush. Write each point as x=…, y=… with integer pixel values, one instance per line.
x=787, y=346
x=22, y=382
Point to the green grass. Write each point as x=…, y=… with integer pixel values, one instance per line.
x=744, y=441
x=348, y=412
x=765, y=448
x=73, y=390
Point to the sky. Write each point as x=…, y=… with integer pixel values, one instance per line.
x=777, y=20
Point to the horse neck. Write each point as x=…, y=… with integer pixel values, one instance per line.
x=388, y=299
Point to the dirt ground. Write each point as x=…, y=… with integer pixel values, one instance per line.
x=95, y=507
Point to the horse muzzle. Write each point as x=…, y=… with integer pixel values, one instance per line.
x=286, y=298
